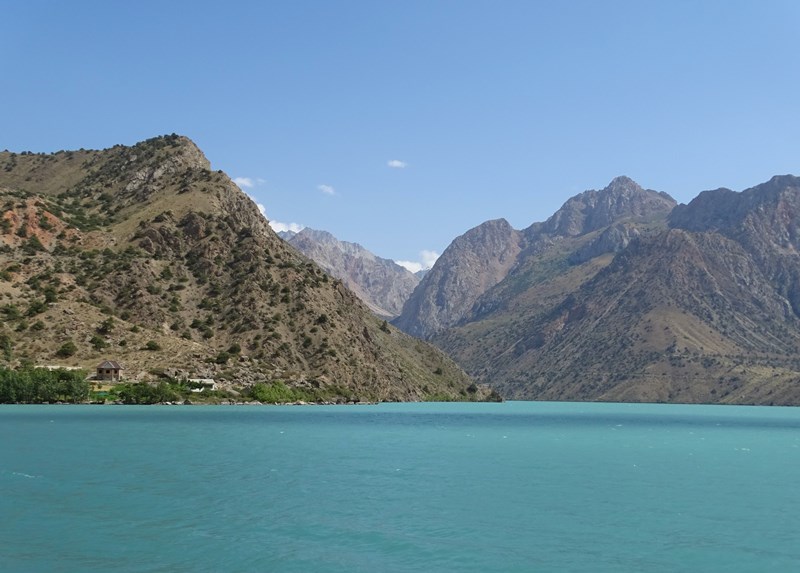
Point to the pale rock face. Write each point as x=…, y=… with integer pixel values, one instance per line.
x=764, y=219
x=473, y=263
x=381, y=283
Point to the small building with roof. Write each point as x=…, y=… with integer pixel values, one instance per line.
x=109, y=370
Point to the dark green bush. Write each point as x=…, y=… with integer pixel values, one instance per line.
x=67, y=349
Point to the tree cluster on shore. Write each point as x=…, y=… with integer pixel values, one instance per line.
x=37, y=385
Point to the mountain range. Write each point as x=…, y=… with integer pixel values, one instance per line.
x=624, y=295
x=146, y=256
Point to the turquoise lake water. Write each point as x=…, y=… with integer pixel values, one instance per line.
x=519, y=486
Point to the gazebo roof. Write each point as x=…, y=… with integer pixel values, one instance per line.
x=110, y=365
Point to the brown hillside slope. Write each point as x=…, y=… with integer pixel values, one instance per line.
x=175, y=254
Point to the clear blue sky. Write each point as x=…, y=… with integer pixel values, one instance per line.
x=496, y=108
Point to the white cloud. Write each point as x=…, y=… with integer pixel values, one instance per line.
x=277, y=226
x=410, y=265
x=327, y=189
x=244, y=182
x=396, y=164
x=427, y=258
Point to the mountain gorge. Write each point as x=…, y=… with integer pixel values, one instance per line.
x=618, y=296
x=145, y=255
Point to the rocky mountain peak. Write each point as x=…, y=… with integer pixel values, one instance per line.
x=725, y=211
x=472, y=264
x=623, y=184
x=591, y=210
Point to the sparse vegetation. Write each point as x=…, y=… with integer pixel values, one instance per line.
x=188, y=282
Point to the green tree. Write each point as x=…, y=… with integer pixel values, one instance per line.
x=106, y=326
x=29, y=384
x=36, y=307
x=50, y=295
x=97, y=342
x=6, y=346
x=67, y=349
x=11, y=311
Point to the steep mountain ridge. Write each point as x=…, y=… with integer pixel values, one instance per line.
x=473, y=263
x=144, y=255
x=381, y=283
x=592, y=210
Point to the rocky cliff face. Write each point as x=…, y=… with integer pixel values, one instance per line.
x=491, y=265
x=622, y=199
x=703, y=312
x=474, y=262
x=764, y=219
x=382, y=284
x=144, y=255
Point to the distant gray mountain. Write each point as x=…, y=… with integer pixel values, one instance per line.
x=381, y=283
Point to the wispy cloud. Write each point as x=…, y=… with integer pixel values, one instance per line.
x=427, y=259
x=396, y=164
x=244, y=182
x=327, y=189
